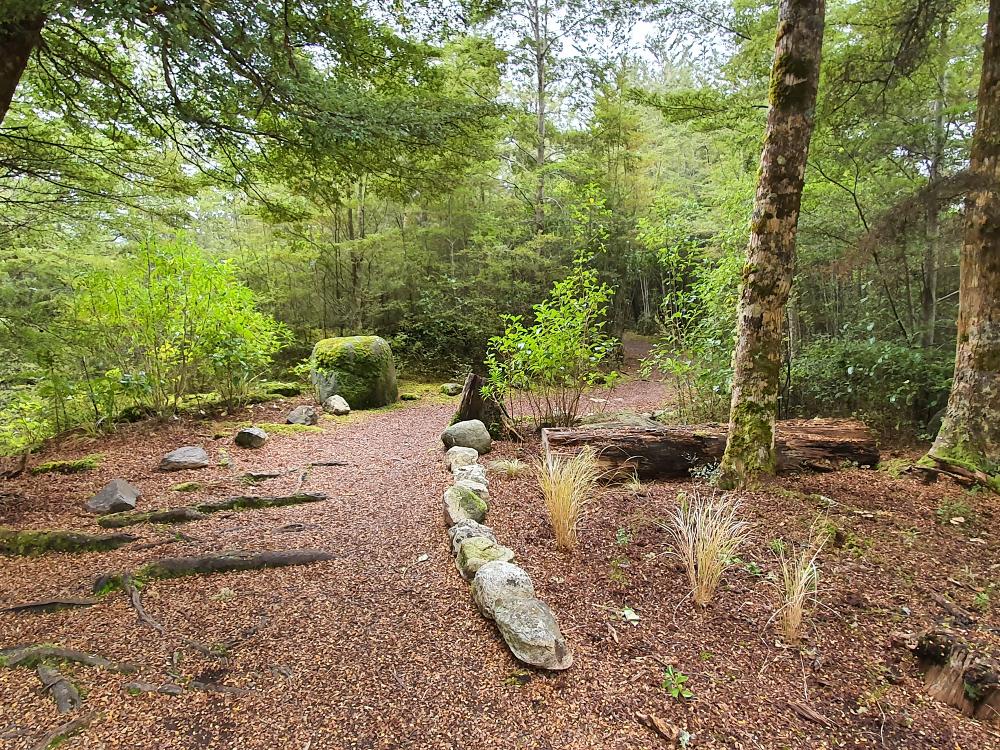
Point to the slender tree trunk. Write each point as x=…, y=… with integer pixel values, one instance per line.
x=970, y=432
x=767, y=275
x=17, y=40
x=540, y=41
x=932, y=227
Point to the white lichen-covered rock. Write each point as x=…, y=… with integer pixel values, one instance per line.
x=459, y=456
x=117, y=496
x=476, y=551
x=478, y=487
x=496, y=580
x=337, y=406
x=473, y=472
x=531, y=632
x=185, y=457
x=465, y=529
x=468, y=434
x=461, y=504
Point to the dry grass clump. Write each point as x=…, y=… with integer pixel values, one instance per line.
x=509, y=467
x=707, y=532
x=567, y=483
x=799, y=579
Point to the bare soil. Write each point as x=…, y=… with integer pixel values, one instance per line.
x=376, y=649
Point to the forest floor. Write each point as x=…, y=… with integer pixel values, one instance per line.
x=382, y=646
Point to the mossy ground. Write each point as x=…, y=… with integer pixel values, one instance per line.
x=69, y=466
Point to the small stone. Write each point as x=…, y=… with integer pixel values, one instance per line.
x=451, y=389
x=465, y=529
x=468, y=434
x=337, y=406
x=473, y=472
x=250, y=437
x=496, y=580
x=185, y=457
x=304, y=415
x=476, y=551
x=117, y=496
x=459, y=456
x=531, y=632
x=478, y=487
x=461, y=504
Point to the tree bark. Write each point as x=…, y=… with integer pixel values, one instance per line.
x=656, y=452
x=17, y=39
x=767, y=275
x=970, y=431
x=473, y=405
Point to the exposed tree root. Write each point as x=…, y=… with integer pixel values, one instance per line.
x=38, y=542
x=170, y=688
x=217, y=562
x=931, y=467
x=42, y=653
x=63, y=692
x=64, y=731
x=188, y=513
x=135, y=598
x=48, y=605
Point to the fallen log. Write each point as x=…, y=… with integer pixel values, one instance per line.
x=63, y=692
x=38, y=542
x=186, y=513
x=653, y=452
x=218, y=562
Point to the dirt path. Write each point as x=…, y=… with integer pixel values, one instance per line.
x=377, y=650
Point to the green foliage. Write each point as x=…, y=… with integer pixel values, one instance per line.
x=889, y=385
x=554, y=360
x=950, y=510
x=674, y=683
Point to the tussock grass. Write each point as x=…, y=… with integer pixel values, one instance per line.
x=567, y=484
x=799, y=579
x=707, y=531
x=509, y=467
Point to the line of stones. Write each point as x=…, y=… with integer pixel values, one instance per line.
x=502, y=591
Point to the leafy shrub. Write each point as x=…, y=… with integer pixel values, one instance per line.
x=169, y=321
x=567, y=483
x=889, y=385
x=560, y=355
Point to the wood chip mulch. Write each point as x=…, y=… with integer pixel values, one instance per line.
x=375, y=649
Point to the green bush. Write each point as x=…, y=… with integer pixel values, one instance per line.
x=560, y=355
x=891, y=386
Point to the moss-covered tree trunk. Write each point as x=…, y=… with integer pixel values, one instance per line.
x=970, y=432
x=767, y=275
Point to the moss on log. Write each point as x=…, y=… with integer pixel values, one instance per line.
x=186, y=513
x=132, y=518
x=40, y=541
x=46, y=653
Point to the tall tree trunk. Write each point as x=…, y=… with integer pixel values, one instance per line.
x=932, y=227
x=540, y=41
x=970, y=432
x=17, y=39
x=767, y=275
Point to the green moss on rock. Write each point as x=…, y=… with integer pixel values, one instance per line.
x=358, y=368
x=70, y=466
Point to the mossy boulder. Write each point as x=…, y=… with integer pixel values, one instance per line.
x=476, y=551
x=461, y=504
x=358, y=368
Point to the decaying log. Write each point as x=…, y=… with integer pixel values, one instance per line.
x=64, y=731
x=186, y=513
x=38, y=542
x=48, y=605
x=63, y=692
x=35, y=654
x=818, y=445
x=959, y=675
x=218, y=562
